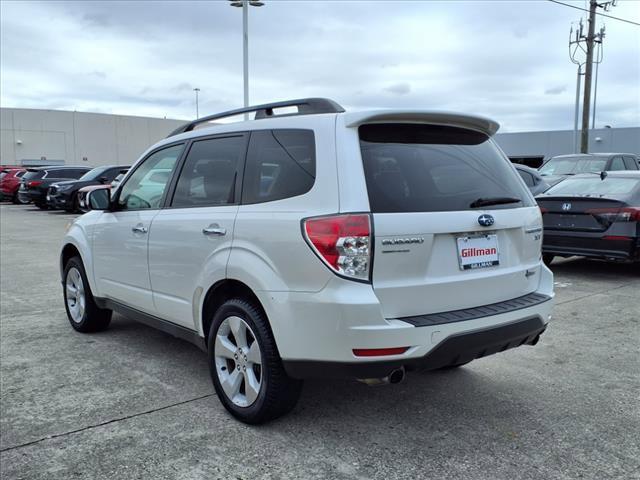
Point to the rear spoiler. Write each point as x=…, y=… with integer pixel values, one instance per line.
x=482, y=124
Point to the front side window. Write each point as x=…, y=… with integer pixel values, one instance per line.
x=433, y=168
x=280, y=164
x=145, y=188
x=209, y=174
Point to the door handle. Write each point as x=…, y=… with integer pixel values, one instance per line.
x=139, y=229
x=214, y=229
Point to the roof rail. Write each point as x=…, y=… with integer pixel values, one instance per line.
x=306, y=106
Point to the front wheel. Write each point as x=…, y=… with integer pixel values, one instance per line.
x=82, y=311
x=245, y=365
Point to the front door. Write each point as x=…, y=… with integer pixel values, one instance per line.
x=120, y=239
x=190, y=241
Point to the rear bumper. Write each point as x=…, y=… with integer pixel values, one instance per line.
x=34, y=196
x=459, y=348
x=316, y=333
x=626, y=248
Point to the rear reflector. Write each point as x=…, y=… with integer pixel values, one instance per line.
x=343, y=242
x=617, y=237
x=378, y=352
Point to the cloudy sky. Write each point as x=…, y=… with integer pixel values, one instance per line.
x=504, y=59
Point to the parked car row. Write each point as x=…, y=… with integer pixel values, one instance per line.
x=56, y=187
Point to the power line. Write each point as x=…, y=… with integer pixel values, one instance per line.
x=597, y=13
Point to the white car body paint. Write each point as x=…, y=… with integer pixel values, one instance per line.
x=316, y=315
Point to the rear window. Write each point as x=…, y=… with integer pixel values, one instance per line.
x=33, y=175
x=573, y=165
x=594, y=187
x=432, y=168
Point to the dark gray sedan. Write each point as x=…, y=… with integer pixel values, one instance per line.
x=593, y=215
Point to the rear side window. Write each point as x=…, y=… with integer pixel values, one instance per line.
x=617, y=164
x=209, y=174
x=280, y=164
x=432, y=168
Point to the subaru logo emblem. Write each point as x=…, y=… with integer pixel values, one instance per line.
x=485, y=220
x=566, y=206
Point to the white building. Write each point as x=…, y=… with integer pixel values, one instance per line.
x=38, y=137
x=47, y=137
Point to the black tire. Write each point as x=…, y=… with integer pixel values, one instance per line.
x=42, y=206
x=93, y=319
x=16, y=199
x=547, y=258
x=278, y=393
x=75, y=207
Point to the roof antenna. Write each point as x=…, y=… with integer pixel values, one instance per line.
x=603, y=175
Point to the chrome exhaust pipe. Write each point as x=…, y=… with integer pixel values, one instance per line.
x=396, y=376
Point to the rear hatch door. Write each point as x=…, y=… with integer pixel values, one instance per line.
x=455, y=227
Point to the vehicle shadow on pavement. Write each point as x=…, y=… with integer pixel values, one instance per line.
x=424, y=400
x=581, y=265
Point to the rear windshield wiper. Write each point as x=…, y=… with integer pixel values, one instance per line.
x=484, y=202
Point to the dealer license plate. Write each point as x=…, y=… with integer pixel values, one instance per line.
x=478, y=251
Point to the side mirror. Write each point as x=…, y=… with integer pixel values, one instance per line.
x=98, y=199
x=103, y=179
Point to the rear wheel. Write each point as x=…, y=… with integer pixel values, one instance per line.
x=16, y=199
x=245, y=365
x=547, y=258
x=82, y=311
x=42, y=206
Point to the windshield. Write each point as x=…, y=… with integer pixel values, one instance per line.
x=92, y=174
x=573, y=165
x=594, y=187
x=433, y=168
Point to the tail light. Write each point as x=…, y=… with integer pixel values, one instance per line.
x=343, y=242
x=611, y=215
x=34, y=183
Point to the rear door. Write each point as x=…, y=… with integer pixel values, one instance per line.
x=455, y=227
x=190, y=240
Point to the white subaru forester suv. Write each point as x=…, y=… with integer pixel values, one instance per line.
x=316, y=243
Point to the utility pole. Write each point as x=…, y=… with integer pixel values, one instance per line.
x=586, y=103
x=575, y=46
x=197, y=90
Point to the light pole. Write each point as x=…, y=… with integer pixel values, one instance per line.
x=197, y=110
x=245, y=41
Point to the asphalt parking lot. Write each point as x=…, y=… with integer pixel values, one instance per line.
x=132, y=402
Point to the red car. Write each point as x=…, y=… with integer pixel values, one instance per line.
x=10, y=182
